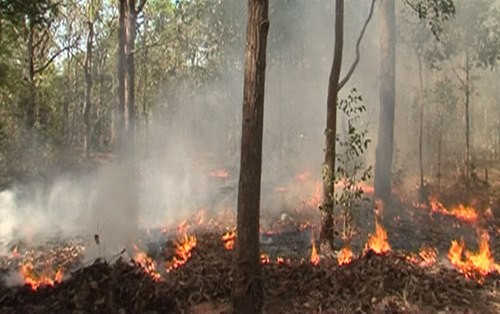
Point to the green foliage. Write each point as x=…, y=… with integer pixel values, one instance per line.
x=351, y=170
x=474, y=31
x=434, y=12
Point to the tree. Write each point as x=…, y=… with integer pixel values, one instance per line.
x=384, y=150
x=92, y=12
x=334, y=86
x=122, y=37
x=247, y=284
x=471, y=42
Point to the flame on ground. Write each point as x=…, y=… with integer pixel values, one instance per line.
x=228, y=238
x=462, y=212
x=345, y=256
x=147, y=264
x=378, y=242
x=264, y=258
x=314, y=254
x=182, y=252
x=473, y=263
x=47, y=278
x=427, y=256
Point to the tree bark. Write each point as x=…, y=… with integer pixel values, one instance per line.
x=247, y=284
x=122, y=36
x=385, y=145
x=327, y=221
x=130, y=67
x=88, y=89
x=31, y=104
x=468, y=170
x=421, y=129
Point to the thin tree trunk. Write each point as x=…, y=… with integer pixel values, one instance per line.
x=31, y=106
x=88, y=89
x=385, y=145
x=247, y=283
x=122, y=35
x=468, y=172
x=421, y=129
x=440, y=151
x=130, y=67
x=327, y=221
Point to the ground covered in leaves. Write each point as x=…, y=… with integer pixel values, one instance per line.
x=373, y=283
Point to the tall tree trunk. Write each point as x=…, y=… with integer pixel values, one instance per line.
x=384, y=151
x=440, y=152
x=88, y=89
x=122, y=36
x=31, y=104
x=327, y=221
x=468, y=170
x=421, y=128
x=145, y=82
x=130, y=67
x=247, y=285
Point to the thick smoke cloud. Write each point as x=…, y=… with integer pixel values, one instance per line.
x=196, y=130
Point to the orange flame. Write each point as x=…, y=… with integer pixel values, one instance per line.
x=34, y=280
x=462, y=212
x=345, y=256
x=228, y=238
x=183, y=252
x=147, y=264
x=427, y=256
x=475, y=263
x=314, y=254
x=378, y=242
x=264, y=258
x=280, y=260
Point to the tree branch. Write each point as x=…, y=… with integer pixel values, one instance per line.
x=51, y=59
x=358, y=43
x=456, y=74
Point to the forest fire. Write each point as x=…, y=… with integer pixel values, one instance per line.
x=462, y=212
x=264, y=258
x=228, y=238
x=314, y=259
x=378, y=242
x=184, y=246
x=147, y=264
x=427, y=256
x=473, y=263
x=48, y=277
x=345, y=256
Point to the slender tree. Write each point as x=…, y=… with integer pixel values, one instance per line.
x=92, y=12
x=334, y=86
x=384, y=150
x=122, y=36
x=247, y=284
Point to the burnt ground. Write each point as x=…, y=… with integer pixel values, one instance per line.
x=372, y=283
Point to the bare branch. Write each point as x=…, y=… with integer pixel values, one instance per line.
x=51, y=59
x=358, y=43
x=453, y=67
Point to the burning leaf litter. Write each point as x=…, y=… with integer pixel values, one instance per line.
x=345, y=256
x=364, y=284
